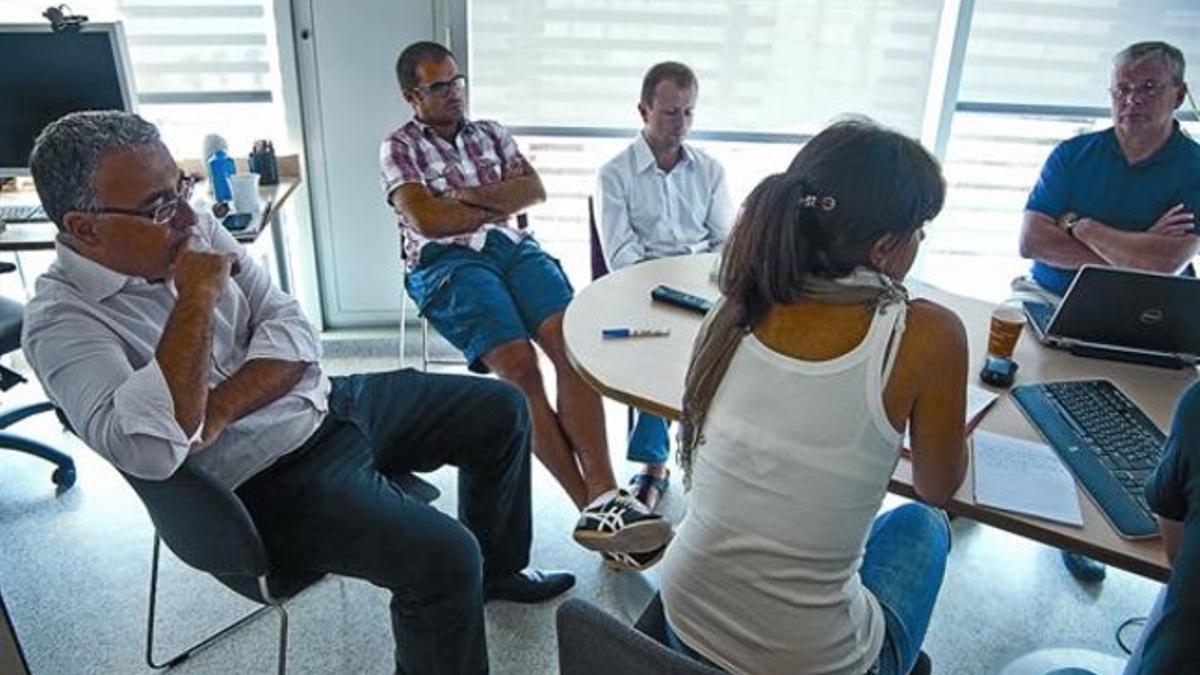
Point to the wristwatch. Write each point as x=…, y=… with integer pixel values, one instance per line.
x=1072, y=221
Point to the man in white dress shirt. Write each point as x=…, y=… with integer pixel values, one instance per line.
x=661, y=197
x=163, y=342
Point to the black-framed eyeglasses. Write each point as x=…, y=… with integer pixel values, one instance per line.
x=162, y=213
x=456, y=83
x=1145, y=91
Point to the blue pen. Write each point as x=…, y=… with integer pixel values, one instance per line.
x=608, y=333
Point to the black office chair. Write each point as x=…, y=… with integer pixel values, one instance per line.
x=599, y=264
x=593, y=642
x=11, y=315
x=206, y=525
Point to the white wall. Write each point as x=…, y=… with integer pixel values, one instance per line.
x=346, y=53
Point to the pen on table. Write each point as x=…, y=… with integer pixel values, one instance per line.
x=634, y=332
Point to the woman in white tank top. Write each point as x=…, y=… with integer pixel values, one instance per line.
x=799, y=390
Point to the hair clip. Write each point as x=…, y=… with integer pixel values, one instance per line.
x=811, y=201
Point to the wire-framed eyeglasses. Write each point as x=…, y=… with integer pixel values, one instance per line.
x=162, y=213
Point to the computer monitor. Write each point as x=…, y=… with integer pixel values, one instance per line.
x=45, y=75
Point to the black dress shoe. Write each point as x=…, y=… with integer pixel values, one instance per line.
x=528, y=586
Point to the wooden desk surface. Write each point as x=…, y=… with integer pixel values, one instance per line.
x=648, y=373
x=40, y=236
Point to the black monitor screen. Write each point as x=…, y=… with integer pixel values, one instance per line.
x=47, y=75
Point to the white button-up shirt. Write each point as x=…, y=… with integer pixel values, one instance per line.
x=644, y=212
x=90, y=334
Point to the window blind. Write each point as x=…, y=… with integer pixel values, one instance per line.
x=768, y=67
x=1059, y=52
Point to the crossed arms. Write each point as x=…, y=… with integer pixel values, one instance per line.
x=147, y=419
x=1166, y=247
x=465, y=210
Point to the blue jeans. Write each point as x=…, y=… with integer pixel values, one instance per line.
x=649, y=442
x=903, y=566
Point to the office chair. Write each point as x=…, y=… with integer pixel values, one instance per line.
x=593, y=642
x=206, y=525
x=11, y=315
x=426, y=359
x=599, y=265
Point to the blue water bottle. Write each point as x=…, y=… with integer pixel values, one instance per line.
x=220, y=168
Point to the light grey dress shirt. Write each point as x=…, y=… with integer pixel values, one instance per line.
x=90, y=334
x=644, y=212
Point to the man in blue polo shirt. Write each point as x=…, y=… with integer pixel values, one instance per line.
x=1168, y=643
x=1126, y=196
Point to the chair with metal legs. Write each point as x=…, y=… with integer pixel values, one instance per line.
x=426, y=359
x=206, y=525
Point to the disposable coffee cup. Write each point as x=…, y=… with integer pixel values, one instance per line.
x=244, y=187
x=1005, y=329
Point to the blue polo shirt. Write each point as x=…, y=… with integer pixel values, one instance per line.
x=1089, y=176
x=1171, y=645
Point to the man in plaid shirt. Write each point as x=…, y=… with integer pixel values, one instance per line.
x=489, y=289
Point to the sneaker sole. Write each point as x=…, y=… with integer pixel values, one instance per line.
x=617, y=566
x=636, y=538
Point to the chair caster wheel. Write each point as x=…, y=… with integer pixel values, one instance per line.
x=63, y=477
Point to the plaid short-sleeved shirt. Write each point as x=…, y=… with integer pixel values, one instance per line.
x=483, y=153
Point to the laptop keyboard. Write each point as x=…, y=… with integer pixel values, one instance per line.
x=1106, y=441
x=21, y=213
x=1040, y=313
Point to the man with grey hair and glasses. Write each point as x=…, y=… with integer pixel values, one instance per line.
x=1126, y=196
x=163, y=342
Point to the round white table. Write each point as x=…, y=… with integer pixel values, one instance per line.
x=649, y=373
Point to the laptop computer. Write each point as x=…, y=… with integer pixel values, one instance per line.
x=1124, y=315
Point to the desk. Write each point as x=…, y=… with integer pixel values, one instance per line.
x=649, y=374
x=40, y=235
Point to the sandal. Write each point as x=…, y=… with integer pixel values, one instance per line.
x=648, y=489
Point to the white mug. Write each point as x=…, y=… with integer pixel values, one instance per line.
x=244, y=187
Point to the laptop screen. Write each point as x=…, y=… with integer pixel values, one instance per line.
x=1126, y=308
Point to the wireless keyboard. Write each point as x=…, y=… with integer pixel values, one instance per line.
x=1105, y=440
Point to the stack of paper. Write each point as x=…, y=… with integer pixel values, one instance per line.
x=978, y=401
x=1016, y=475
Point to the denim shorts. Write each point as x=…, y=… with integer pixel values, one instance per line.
x=479, y=300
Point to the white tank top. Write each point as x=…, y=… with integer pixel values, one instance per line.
x=763, y=574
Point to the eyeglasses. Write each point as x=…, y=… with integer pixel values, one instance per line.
x=456, y=83
x=164, y=212
x=1145, y=91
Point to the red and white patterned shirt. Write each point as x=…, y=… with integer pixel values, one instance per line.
x=482, y=153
